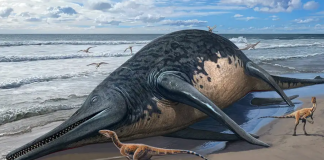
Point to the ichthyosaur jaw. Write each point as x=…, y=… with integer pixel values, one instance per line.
x=171, y=83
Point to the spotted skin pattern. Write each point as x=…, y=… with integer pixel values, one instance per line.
x=131, y=93
x=301, y=114
x=142, y=151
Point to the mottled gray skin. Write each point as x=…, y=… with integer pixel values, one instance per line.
x=177, y=51
x=122, y=98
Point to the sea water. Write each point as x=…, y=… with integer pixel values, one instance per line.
x=44, y=79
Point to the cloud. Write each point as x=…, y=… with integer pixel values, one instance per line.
x=12, y=20
x=130, y=6
x=134, y=8
x=249, y=18
x=195, y=13
x=149, y=18
x=104, y=19
x=33, y=19
x=24, y=14
x=238, y=15
x=56, y=12
x=267, y=5
x=305, y=20
x=210, y=7
x=279, y=29
x=5, y=12
x=81, y=18
x=241, y=17
x=275, y=18
x=320, y=13
x=143, y=16
x=193, y=22
x=132, y=13
x=318, y=25
x=90, y=28
x=98, y=5
x=311, y=5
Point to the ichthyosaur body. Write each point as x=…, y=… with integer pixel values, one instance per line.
x=172, y=82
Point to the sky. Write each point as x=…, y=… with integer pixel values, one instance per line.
x=160, y=16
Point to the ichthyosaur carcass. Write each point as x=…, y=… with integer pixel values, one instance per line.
x=172, y=82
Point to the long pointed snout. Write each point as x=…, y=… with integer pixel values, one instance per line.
x=84, y=124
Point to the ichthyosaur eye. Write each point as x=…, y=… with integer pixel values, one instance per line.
x=94, y=100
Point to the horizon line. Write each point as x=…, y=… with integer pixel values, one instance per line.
x=140, y=33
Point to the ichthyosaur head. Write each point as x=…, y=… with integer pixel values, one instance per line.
x=104, y=108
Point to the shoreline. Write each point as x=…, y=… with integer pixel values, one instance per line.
x=284, y=146
x=277, y=134
x=106, y=150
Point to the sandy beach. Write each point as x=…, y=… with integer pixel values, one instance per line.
x=148, y=69
x=47, y=82
x=284, y=146
x=278, y=133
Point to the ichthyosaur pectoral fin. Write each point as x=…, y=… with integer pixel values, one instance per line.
x=254, y=70
x=270, y=101
x=197, y=134
x=175, y=87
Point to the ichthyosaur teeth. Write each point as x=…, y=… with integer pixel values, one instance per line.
x=172, y=82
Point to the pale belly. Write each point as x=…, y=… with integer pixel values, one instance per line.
x=172, y=118
x=225, y=83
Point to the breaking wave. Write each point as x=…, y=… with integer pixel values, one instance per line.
x=22, y=43
x=271, y=45
x=56, y=57
x=240, y=39
x=36, y=79
x=72, y=96
x=29, y=128
x=267, y=59
x=22, y=131
x=278, y=65
x=274, y=46
x=13, y=114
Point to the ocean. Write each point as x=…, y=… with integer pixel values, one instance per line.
x=44, y=79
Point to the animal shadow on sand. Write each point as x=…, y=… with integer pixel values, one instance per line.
x=239, y=146
x=308, y=135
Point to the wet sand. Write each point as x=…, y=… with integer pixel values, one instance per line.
x=278, y=133
x=284, y=146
